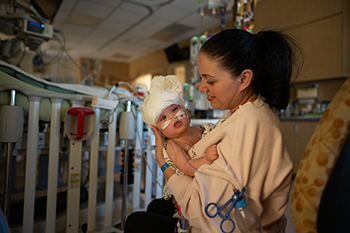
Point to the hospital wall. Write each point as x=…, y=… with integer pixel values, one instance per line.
x=157, y=63
x=63, y=71
x=321, y=27
x=111, y=72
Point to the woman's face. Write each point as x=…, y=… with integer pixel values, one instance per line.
x=176, y=126
x=223, y=91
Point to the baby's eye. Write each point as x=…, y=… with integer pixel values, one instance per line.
x=175, y=108
x=162, y=118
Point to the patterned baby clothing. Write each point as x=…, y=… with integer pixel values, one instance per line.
x=206, y=128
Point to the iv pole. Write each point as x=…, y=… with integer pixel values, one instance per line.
x=126, y=132
x=11, y=129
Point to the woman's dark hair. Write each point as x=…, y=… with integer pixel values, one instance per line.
x=271, y=56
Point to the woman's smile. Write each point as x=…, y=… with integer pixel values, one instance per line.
x=210, y=98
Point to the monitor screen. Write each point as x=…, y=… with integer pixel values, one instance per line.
x=47, y=8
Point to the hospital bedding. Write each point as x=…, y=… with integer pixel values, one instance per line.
x=10, y=74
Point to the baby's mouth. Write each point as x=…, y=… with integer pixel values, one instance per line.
x=177, y=124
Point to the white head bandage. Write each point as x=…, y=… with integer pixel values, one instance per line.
x=164, y=91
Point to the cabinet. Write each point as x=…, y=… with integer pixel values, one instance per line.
x=322, y=49
x=322, y=28
x=297, y=135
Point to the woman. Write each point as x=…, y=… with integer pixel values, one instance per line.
x=249, y=76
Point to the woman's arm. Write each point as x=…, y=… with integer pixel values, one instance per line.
x=159, y=152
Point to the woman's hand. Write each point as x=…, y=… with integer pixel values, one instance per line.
x=159, y=145
x=168, y=172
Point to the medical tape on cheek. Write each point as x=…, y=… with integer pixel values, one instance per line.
x=180, y=114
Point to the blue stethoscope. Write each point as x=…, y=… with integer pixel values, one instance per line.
x=233, y=200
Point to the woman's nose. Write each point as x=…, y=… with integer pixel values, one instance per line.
x=202, y=87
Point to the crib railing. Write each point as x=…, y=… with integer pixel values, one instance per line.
x=54, y=149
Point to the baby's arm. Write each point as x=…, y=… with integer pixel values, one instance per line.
x=212, y=153
x=184, y=162
x=209, y=158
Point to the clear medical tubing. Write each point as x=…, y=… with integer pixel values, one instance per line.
x=179, y=115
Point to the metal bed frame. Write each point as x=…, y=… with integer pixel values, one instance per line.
x=72, y=211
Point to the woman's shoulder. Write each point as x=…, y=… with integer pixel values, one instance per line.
x=257, y=110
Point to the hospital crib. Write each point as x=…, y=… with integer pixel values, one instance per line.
x=98, y=217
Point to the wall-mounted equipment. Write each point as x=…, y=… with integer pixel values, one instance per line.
x=30, y=21
x=37, y=29
x=174, y=53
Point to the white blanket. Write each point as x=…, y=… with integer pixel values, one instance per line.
x=88, y=90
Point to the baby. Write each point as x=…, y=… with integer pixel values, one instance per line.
x=165, y=109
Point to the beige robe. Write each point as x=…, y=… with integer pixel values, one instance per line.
x=252, y=154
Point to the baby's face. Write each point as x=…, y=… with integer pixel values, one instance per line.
x=175, y=127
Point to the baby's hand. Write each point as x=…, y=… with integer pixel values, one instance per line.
x=212, y=153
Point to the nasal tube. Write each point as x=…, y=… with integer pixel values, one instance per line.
x=179, y=115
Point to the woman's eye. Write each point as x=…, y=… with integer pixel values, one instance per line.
x=210, y=82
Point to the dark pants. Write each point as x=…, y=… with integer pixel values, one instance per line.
x=158, y=218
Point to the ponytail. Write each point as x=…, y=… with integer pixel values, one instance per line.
x=277, y=53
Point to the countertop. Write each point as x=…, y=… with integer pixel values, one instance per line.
x=301, y=118
x=200, y=121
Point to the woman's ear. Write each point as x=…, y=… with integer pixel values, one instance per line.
x=246, y=78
